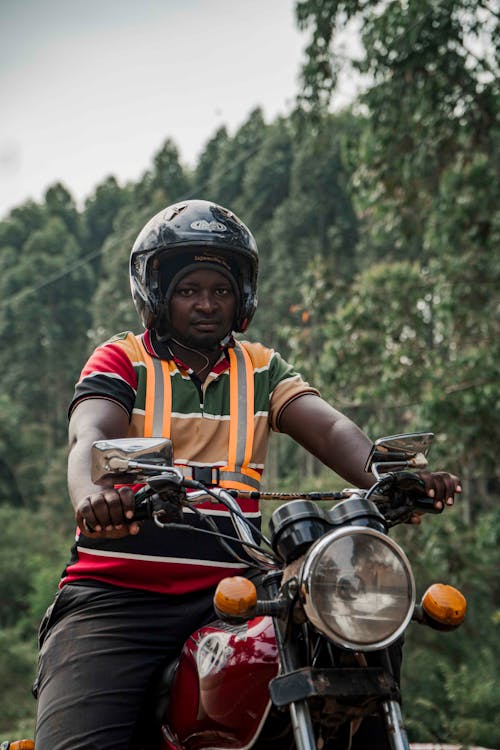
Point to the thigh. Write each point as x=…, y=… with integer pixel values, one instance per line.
x=97, y=658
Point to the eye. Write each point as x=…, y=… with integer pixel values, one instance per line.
x=184, y=291
x=224, y=291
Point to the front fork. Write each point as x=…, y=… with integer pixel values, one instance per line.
x=393, y=719
x=304, y=733
x=300, y=714
x=299, y=710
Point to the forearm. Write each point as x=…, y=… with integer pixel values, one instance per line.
x=345, y=448
x=80, y=466
x=92, y=420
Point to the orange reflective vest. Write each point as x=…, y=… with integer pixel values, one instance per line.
x=237, y=473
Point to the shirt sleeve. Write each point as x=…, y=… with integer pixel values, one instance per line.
x=286, y=385
x=109, y=373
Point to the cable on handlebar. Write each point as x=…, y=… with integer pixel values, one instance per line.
x=238, y=513
x=220, y=536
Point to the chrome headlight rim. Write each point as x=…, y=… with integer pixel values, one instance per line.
x=311, y=560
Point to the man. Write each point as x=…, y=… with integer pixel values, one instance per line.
x=131, y=592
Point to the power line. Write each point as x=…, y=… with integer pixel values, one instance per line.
x=31, y=290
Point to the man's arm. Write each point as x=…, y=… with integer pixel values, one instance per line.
x=330, y=436
x=340, y=444
x=100, y=512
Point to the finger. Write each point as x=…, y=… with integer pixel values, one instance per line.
x=101, y=503
x=127, y=498
x=116, y=532
x=86, y=518
x=446, y=486
x=88, y=529
x=452, y=486
x=111, y=532
x=114, y=510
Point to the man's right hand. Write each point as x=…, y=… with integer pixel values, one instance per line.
x=107, y=514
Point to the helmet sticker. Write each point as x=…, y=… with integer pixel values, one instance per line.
x=202, y=225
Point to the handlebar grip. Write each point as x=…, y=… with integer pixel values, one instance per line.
x=426, y=504
x=412, y=486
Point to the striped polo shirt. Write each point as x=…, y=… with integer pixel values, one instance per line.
x=179, y=561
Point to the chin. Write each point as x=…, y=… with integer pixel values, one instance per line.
x=207, y=342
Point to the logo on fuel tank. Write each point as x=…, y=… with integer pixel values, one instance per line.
x=213, y=653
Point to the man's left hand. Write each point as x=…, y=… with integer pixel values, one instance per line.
x=441, y=487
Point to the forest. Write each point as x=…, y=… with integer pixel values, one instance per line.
x=378, y=229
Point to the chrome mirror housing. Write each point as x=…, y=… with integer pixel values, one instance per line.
x=398, y=452
x=129, y=459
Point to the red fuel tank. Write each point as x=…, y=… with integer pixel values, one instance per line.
x=219, y=697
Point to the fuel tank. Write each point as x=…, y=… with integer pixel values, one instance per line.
x=219, y=696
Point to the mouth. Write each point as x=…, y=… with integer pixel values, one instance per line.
x=205, y=325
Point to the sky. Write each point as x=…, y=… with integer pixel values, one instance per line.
x=91, y=88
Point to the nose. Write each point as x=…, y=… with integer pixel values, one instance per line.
x=206, y=301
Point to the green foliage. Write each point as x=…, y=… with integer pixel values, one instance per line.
x=101, y=210
x=31, y=559
x=17, y=672
x=32, y=556
x=232, y=157
x=450, y=679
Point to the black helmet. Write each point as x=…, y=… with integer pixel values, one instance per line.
x=182, y=236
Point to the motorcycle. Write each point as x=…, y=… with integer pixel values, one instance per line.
x=305, y=664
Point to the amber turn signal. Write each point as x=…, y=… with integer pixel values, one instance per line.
x=235, y=597
x=444, y=605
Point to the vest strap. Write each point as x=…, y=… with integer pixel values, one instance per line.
x=157, y=419
x=217, y=476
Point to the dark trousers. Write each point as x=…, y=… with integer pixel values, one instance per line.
x=100, y=648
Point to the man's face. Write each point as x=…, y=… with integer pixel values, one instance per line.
x=202, y=309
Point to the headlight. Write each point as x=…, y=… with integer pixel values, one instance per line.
x=357, y=588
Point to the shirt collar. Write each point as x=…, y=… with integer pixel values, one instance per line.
x=221, y=365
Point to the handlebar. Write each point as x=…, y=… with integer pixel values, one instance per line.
x=145, y=502
x=398, y=496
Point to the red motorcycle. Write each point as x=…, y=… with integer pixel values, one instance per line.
x=301, y=667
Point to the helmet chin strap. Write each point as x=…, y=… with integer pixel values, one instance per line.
x=225, y=341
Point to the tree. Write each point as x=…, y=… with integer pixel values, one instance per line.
x=60, y=204
x=432, y=99
x=165, y=183
x=44, y=289
x=101, y=209
x=113, y=310
x=266, y=182
x=315, y=220
x=207, y=160
x=232, y=158
x=168, y=176
x=427, y=185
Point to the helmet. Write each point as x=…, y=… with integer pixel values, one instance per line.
x=181, y=237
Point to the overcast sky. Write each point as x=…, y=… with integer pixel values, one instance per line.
x=94, y=87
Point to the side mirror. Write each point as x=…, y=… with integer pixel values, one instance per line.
x=127, y=460
x=397, y=452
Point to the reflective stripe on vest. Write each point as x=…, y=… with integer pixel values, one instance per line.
x=158, y=410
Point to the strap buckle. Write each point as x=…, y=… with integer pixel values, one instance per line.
x=206, y=474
